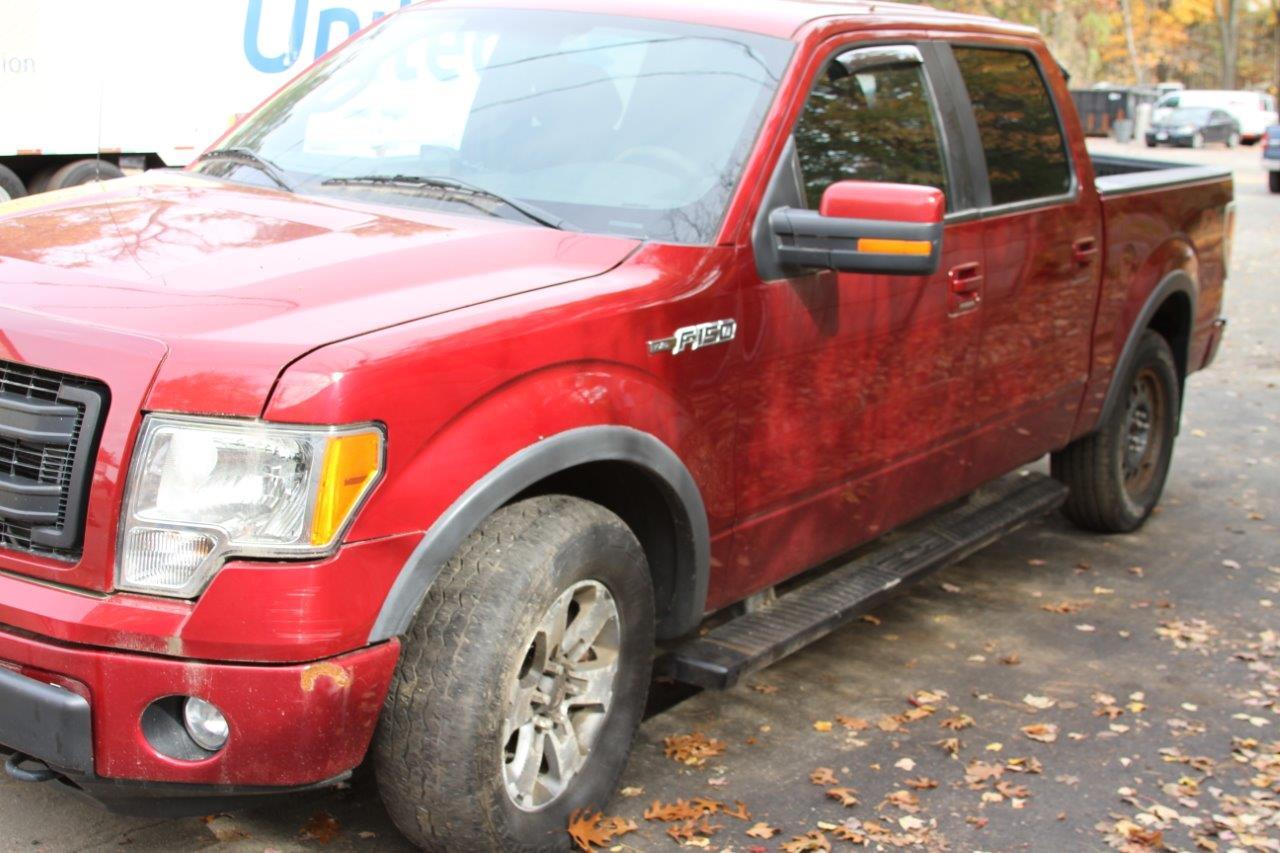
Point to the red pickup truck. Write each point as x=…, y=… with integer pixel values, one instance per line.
x=444, y=398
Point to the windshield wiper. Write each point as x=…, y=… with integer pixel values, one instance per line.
x=524, y=208
x=244, y=155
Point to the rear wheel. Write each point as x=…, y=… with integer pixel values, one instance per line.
x=521, y=683
x=1233, y=140
x=83, y=172
x=1197, y=140
x=1117, y=474
x=10, y=185
x=1275, y=182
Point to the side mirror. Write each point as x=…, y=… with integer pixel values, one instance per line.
x=866, y=227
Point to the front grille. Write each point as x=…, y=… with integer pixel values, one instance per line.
x=49, y=429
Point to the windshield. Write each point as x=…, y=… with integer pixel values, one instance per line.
x=608, y=124
x=1189, y=116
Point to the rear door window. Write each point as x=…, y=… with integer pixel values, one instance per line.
x=1026, y=153
x=870, y=117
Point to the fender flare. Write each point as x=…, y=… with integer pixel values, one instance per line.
x=1178, y=281
x=535, y=463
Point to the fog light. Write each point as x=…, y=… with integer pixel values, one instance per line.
x=206, y=724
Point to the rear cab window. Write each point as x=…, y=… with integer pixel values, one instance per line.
x=1018, y=124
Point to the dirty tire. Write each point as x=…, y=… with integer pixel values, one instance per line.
x=438, y=753
x=83, y=172
x=10, y=185
x=1093, y=468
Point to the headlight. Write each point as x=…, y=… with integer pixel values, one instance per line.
x=202, y=490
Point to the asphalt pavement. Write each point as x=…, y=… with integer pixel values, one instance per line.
x=1057, y=691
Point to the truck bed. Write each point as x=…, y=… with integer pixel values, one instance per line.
x=1119, y=175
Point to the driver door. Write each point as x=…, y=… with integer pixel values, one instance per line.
x=855, y=406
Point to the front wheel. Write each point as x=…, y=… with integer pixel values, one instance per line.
x=1275, y=182
x=521, y=683
x=1233, y=140
x=1117, y=474
x=1197, y=140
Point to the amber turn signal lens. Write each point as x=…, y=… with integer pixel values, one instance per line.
x=895, y=247
x=351, y=464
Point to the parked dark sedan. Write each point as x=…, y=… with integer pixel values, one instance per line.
x=1193, y=127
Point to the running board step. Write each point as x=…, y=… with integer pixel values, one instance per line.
x=720, y=658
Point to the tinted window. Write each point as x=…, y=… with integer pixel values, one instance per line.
x=869, y=123
x=1026, y=155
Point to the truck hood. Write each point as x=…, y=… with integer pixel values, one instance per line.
x=234, y=283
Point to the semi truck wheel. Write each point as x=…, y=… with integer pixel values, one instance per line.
x=10, y=185
x=1116, y=475
x=521, y=683
x=83, y=172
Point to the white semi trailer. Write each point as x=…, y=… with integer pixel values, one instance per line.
x=88, y=87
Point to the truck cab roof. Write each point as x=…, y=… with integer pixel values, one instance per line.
x=788, y=19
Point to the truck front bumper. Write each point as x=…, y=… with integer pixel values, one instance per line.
x=84, y=713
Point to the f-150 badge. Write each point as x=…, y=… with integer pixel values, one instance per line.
x=696, y=337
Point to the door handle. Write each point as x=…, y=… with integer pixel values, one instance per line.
x=1084, y=251
x=966, y=288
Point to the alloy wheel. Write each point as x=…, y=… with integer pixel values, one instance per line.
x=560, y=698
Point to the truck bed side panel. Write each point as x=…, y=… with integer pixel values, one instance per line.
x=1158, y=219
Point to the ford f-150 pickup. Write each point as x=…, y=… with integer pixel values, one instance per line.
x=440, y=403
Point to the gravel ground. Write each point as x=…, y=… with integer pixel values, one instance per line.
x=1057, y=691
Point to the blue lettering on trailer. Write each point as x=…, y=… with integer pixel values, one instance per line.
x=329, y=18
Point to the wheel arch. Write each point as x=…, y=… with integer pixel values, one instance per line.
x=1170, y=310
x=630, y=472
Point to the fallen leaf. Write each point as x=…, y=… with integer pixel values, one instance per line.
x=322, y=828
x=923, y=783
x=928, y=697
x=950, y=744
x=889, y=723
x=695, y=831
x=811, y=842
x=905, y=764
x=1062, y=607
x=1043, y=732
x=978, y=773
x=631, y=791
x=846, y=796
x=904, y=800
x=692, y=749
x=1012, y=659
x=589, y=830
x=763, y=830
x=1040, y=703
x=1013, y=790
x=956, y=723
x=824, y=776
x=853, y=724
x=822, y=726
